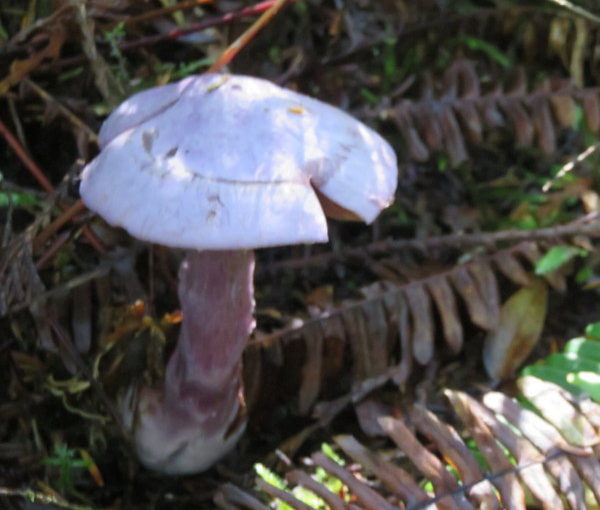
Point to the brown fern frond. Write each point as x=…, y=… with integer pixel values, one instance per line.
x=460, y=114
x=529, y=455
x=396, y=324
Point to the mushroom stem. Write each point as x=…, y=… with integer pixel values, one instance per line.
x=196, y=418
x=217, y=300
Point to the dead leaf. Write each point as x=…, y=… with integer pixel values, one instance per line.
x=521, y=321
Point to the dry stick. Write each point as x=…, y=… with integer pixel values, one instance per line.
x=171, y=35
x=67, y=345
x=237, y=45
x=570, y=166
x=70, y=213
x=588, y=225
x=62, y=109
x=37, y=173
x=181, y=6
x=25, y=159
x=40, y=498
x=51, y=251
x=577, y=10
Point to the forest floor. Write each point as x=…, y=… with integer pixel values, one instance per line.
x=493, y=110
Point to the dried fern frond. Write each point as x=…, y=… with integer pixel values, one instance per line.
x=394, y=326
x=461, y=113
x=520, y=452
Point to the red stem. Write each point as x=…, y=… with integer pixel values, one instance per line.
x=25, y=159
x=37, y=173
x=173, y=34
x=237, y=45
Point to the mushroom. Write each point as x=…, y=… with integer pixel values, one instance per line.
x=220, y=165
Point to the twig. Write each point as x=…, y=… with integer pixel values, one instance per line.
x=237, y=45
x=588, y=225
x=156, y=13
x=25, y=159
x=68, y=214
x=173, y=34
x=570, y=166
x=37, y=173
x=576, y=9
x=67, y=345
x=39, y=498
x=51, y=251
x=62, y=109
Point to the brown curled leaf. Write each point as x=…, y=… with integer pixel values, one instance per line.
x=469, y=291
x=286, y=497
x=228, y=494
x=422, y=320
x=456, y=454
x=354, y=322
x=543, y=124
x=398, y=303
x=369, y=497
x=528, y=458
x=427, y=463
x=396, y=479
x=310, y=385
x=19, y=69
x=429, y=127
x=591, y=109
x=547, y=439
x=488, y=286
x=377, y=331
x=521, y=122
x=563, y=107
x=453, y=137
x=510, y=267
x=304, y=480
x=445, y=302
x=508, y=486
x=490, y=113
x=417, y=150
x=470, y=120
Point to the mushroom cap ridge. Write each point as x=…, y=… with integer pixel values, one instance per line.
x=227, y=162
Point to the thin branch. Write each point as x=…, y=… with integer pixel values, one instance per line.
x=588, y=225
x=37, y=173
x=62, y=109
x=77, y=208
x=241, y=42
x=67, y=345
x=21, y=153
x=230, y=17
x=39, y=498
x=156, y=13
x=576, y=9
x=570, y=166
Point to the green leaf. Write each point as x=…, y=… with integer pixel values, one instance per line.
x=593, y=330
x=269, y=476
x=490, y=50
x=584, y=275
x=587, y=381
x=557, y=257
x=328, y=450
x=369, y=96
x=18, y=200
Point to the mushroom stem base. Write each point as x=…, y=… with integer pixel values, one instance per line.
x=198, y=415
